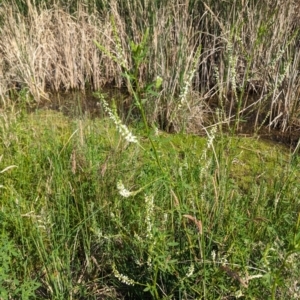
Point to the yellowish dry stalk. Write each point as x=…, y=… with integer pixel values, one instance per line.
x=245, y=46
x=51, y=49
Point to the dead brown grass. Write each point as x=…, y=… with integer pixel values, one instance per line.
x=52, y=50
x=247, y=47
x=253, y=50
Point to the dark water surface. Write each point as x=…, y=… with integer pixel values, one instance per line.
x=79, y=104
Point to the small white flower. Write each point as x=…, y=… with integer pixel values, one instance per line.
x=123, y=191
x=213, y=255
x=122, y=128
x=149, y=212
x=239, y=294
x=123, y=278
x=149, y=262
x=211, y=137
x=190, y=271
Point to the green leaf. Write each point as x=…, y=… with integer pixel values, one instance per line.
x=172, y=244
x=147, y=288
x=151, y=92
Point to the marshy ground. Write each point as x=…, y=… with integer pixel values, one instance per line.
x=183, y=184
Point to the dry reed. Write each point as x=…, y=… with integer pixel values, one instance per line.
x=247, y=47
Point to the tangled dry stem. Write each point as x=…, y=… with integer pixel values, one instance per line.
x=247, y=47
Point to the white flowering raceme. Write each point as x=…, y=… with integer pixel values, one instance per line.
x=149, y=200
x=213, y=256
x=189, y=78
x=149, y=261
x=123, y=191
x=190, y=271
x=123, y=278
x=211, y=137
x=122, y=128
x=186, y=87
x=124, y=131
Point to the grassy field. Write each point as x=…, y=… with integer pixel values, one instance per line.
x=85, y=214
x=157, y=197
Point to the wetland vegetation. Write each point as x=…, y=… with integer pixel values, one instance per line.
x=168, y=189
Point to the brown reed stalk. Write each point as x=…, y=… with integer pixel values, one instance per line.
x=247, y=47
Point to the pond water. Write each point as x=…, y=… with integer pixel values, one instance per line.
x=78, y=104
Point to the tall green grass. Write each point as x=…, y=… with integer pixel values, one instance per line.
x=217, y=218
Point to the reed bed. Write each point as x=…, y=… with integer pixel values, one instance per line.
x=248, y=65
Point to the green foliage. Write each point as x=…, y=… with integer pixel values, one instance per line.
x=14, y=282
x=162, y=266
x=97, y=210
x=217, y=218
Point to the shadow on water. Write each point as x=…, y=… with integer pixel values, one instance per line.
x=86, y=104
x=82, y=104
